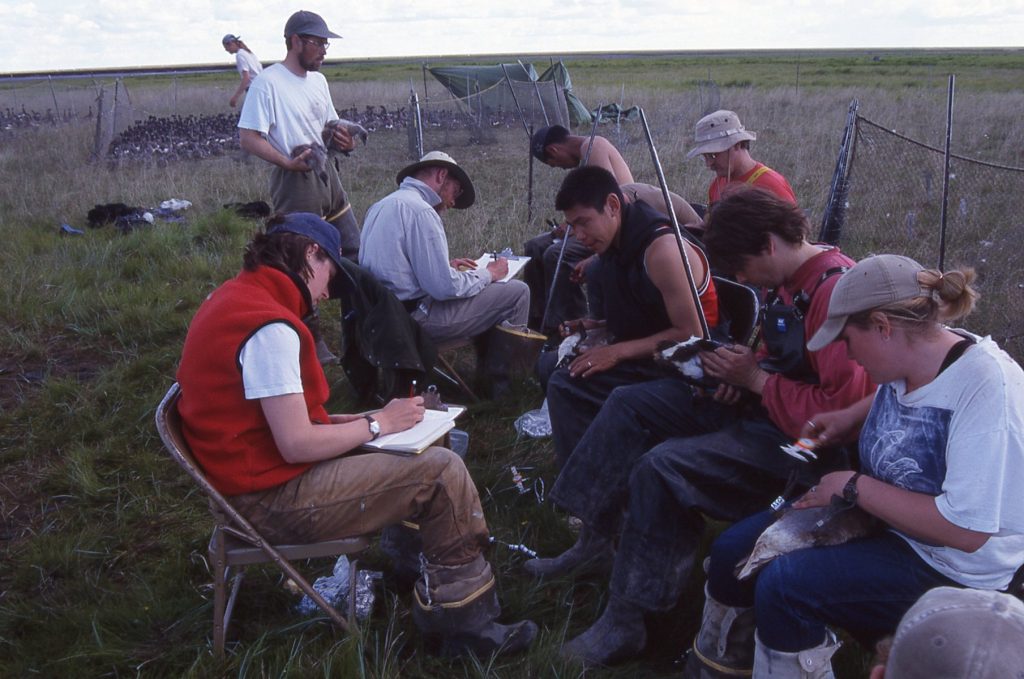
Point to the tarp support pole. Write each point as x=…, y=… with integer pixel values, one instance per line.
x=515, y=99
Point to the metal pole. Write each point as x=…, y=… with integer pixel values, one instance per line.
x=56, y=106
x=675, y=226
x=529, y=181
x=536, y=89
x=945, y=172
x=424, y=65
x=568, y=230
x=511, y=89
x=417, y=123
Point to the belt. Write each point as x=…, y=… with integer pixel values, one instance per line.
x=331, y=218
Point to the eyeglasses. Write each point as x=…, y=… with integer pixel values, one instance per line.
x=319, y=44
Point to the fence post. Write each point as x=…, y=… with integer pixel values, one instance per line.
x=56, y=106
x=945, y=171
x=98, y=140
x=834, y=219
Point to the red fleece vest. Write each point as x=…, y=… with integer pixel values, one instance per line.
x=228, y=434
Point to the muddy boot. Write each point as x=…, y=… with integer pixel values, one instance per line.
x=617, y=635
x=724, y=646
x=403, y=546
x=812, y=663
x=591, y=554
x=510, y=352
x=456, y=609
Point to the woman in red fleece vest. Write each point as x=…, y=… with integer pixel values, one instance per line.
x=252, y=409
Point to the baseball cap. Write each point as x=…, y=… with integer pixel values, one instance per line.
x=442, y=159
x=552, y=134
x=871, y=283
x=308, y=23
x=313, y=227
x=719, y=131
x=951, y=633
x=229, y=38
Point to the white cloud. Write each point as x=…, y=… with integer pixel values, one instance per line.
x=150, y=32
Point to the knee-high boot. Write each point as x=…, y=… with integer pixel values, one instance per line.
x=724, y=645
x=811, y=663
x=457, y=608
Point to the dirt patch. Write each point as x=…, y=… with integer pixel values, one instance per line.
x=21, y=376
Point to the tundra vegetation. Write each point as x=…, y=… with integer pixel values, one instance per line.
x=103, y=538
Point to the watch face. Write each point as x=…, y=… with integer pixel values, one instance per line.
x=374, y=426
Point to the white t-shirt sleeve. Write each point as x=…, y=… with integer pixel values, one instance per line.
x=270, y=362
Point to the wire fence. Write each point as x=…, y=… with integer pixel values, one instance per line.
x=893, y=203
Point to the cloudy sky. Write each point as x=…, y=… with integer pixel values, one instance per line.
x=41, y=35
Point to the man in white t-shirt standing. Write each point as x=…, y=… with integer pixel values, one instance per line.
x=287, y=106
x=245, y=61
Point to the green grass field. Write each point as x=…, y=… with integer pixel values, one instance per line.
x=103, y=538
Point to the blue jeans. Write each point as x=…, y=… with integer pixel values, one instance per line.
x=574, y=402
x=594, y=482
x=863, y=586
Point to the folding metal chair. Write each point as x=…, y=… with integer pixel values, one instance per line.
x=741, y=307
x=445, y=356
x=235, y=542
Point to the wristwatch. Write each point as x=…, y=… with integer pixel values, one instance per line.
x=374, y=427
x=850, y=493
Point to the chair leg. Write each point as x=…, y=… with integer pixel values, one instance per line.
x=219, y=595
x=353, y=572
x=453, y=376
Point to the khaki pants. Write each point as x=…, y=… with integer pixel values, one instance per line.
x=472, y=316
x=359, y=494
x=306, y=192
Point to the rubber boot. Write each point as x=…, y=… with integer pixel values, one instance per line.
x=724, y=645
x=510, y=352
x=592, y=553
x=617, y=635
x=457, y=608
x=812, y=663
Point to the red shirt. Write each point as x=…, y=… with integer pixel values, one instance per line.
x=841, y=381
x=761, y=176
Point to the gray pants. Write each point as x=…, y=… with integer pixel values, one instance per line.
x=471, y=316
x=306, y=192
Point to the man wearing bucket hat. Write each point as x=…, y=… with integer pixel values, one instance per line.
x=724, y=144
x=404, y=245
x=252, y=408
x=288, y=106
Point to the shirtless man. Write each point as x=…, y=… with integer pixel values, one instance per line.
x=554, y=146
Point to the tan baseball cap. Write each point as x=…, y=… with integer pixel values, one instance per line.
x=873, y=282
x=953, y=633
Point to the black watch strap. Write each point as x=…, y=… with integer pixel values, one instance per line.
x=374, y=427
x=850, y=493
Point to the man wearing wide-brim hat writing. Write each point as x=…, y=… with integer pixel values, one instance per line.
x=724, y=144
x=403, y=244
